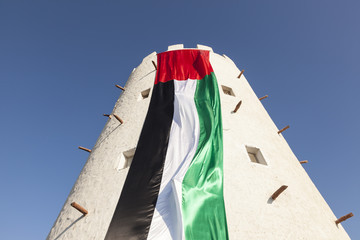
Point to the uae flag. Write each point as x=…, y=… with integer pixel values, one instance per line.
x=174, y=187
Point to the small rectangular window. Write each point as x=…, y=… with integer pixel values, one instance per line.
x=144, y=94
x=228, y=90
x=126, y=159
x=255, y=155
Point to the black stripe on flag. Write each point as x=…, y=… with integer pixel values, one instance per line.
x=135, y=209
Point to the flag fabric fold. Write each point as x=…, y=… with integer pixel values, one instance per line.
x=174, y=187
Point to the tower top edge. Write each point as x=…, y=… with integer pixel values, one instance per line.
x=181, y=46
x=150, y=56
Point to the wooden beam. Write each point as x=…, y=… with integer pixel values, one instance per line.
x=280, y=131
x=118, y=118
x=154, y=65
x=241, y=73
x=107, y=115
x=278, y=192
x=304, y=161
x=79, y=208
x=237, y=107
x=85, y=149
x=263, y=97
x=118, y=86
x=343, y=218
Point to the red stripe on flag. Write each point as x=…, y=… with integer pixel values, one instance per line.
x=182, y=65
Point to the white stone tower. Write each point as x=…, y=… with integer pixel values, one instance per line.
x=257, y=162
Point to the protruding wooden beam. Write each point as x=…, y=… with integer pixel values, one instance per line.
x=154, y=65
x=278, y=192
x=241, y=73
x=304, y=161
x=343, y=218
x=118, y=86
x=107, y=115
x=263, y=97
x=118, y=118
x=85, y=149
x=237, y=107
x=79, y=208
x=280, y=131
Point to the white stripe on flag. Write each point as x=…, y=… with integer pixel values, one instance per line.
x=183, y=142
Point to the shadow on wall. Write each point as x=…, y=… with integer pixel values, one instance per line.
x=72, y=224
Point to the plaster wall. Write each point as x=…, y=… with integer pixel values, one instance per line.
x=100, y=182
x=299, y=212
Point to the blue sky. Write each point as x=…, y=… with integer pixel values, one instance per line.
x=59, y=61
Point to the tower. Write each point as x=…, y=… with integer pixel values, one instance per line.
x=268, y=195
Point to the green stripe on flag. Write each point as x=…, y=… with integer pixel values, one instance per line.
x=202, y=188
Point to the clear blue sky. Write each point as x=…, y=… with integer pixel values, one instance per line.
x=59, y=61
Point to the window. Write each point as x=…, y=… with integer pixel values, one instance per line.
x=255, y=155
x=126, y=158
x=144, y=94
x=227, y=90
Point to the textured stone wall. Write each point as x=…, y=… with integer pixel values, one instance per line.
x=299, y=212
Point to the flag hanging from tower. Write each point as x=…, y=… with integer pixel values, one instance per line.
x=174, y=187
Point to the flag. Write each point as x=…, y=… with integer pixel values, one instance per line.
x=174, y=187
